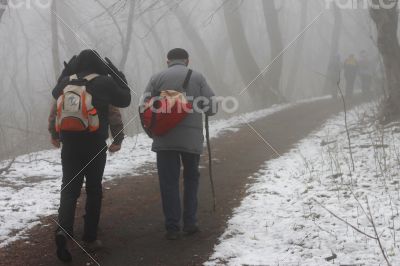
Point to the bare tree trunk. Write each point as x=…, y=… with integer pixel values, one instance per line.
x=3, y=6
x=54, y=38
x=386, y=20
x=275, y=37
x=3, y=144
x=245, y=62
x=27, y=56
x=222, y=54
x=127, y=43
x=158, y=42
x=19, y=96
x=291, y=88
x=150, y=56
x=115, y=21
x=72, y=46
x=334, y=49
x=198, y=44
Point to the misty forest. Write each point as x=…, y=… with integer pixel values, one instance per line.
x=292, y=159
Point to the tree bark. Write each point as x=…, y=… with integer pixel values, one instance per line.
x=275, y=37
x=291, y=87
x=127, y=41
x=114, y=20
x=3, y=6
x=386, y=20
x=198, y=44
x=27, y=55
x=245, y=62
x=161, y=55
x=335, y=41
x=54, y=40
x=71, y=44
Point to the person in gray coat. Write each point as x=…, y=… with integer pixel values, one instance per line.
x=184, y=143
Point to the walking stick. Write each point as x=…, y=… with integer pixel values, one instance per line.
x=210, y=163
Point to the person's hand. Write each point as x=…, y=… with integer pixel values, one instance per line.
x=56, y=143
x=114, y=148
x=69, y=68
x=115, y=73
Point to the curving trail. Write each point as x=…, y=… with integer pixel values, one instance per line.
x=132, y=222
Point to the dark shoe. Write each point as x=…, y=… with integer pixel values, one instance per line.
x=93, y=245
x=191, y=229
x=62, y=251
x=172, y=235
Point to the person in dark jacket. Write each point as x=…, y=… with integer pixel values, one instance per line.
x=83, y=154
x=182, y=144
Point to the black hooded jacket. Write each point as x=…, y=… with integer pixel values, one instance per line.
x=104, y=90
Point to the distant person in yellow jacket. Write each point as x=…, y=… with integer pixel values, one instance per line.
x=350, y=68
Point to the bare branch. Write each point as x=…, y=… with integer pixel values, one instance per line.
x=344, y=221
x=377, y=235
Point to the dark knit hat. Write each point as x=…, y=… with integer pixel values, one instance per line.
x=91, y=62
x=177, y=54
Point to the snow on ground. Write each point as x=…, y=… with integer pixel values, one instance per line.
x=30, y=189
x=279, y=222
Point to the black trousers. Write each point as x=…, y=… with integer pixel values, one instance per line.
x=82, y=159
x=169, y=168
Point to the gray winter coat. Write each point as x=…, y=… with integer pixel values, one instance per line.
x=187, y=136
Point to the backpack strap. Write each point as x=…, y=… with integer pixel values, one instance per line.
x=187, y=79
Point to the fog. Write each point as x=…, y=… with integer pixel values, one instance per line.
x=261, y=52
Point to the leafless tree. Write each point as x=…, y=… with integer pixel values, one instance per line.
x=197, y=42
x=386, y=20
x=72, y=45
x=156, y=39
x=54, y=38
x=334, y=43
x=245, y=61
x=129, y=28
x=3, y=5
x=298, y=52
x=276, y=44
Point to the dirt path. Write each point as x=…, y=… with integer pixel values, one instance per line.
x=132, y=222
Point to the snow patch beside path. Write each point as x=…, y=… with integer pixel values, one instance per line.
x=279, y=221
x=30, y=189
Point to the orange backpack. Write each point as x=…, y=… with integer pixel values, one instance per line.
x=75, y=111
